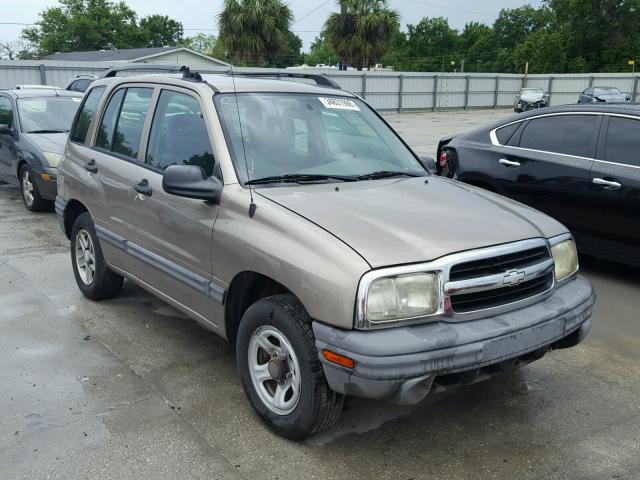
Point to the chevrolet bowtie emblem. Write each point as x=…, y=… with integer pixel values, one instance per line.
x=513, y=277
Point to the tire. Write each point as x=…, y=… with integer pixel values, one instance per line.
x=29, y=191
x=97, y=282
x=316, y=407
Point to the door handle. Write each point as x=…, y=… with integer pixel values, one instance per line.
x=508, y=163
x=91, y=166
x=143, y=188
x=607, y=184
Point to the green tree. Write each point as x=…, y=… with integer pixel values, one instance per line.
x=205, y=43
x=254, y=30
x=432, y=44
x=361, y=33
x=85, y=25
x=514, y=25
x=291, y=56
x=161, y=31
x=320, y=53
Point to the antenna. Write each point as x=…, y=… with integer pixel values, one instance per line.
x=252, y=205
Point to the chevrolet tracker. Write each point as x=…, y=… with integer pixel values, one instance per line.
x=289, y=218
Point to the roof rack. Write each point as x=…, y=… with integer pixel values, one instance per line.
x=187, y=74
x=320, y=80
x=113, y=71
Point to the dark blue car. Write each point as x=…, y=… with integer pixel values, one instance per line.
x=34, y=124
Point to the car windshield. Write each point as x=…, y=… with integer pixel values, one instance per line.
x=607, y=91
x=531, y=90
x=303, y=137
x=47, y=114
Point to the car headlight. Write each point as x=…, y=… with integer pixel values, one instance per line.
x=565, y=257
x=52, y=158
x=402, y=297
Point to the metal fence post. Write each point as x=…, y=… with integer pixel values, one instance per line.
x=364, y=86
x=549, y=88
x=635, y=90
x=400, y=92
x=466, y=93
x=590, y=80
x=497, y=92
x=435, y=93
x=43, y=74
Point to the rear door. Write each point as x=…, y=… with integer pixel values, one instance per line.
x=614, y=201
x=547, y=162
x=171, y=234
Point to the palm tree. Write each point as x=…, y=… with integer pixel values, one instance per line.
x=253, y=30
x=362, y=32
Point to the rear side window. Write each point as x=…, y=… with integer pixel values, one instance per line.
x=565, y=134
x=80, y=85
x=178, y=134
x=85, y=115
x=623, y=141
x=108, y=124
x=504, y=134
x=121, y=127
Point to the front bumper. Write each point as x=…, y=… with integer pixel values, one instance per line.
x=47, y=186
x=403, y=364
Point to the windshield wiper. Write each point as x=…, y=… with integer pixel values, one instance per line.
x=48, y=131
x=298, y=177
x=387, y=174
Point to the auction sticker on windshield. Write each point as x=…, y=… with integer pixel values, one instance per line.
x=339, y=103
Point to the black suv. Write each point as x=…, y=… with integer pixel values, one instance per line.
x=579, y=164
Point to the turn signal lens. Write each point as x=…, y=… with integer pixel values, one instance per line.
x=338, y=359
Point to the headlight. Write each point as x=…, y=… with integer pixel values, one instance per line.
x=52, y=158
x=565, y=257
x=402, y=297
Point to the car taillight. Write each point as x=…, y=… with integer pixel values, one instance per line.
x=442, y=159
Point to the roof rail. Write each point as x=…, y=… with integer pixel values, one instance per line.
x=113, y=71
x=321, y=80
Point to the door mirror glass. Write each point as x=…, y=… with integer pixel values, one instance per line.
x=4, y=128
x=428, y=163
x=191, y=181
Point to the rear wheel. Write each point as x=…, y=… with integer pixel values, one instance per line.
x=280, y=370
x=30, y=193
x=94, y=278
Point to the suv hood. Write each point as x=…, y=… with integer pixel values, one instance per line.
x=399, y=221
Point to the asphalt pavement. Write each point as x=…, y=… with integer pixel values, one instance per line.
x=129, y=388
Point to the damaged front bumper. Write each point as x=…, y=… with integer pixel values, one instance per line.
x=403, y=364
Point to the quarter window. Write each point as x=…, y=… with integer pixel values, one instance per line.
x=6, y=112
x=178, y=134
x=623, y=141
x=565, y=134
x=85, y=115
x=504, y=134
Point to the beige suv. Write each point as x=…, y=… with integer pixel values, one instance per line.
x=291, y=219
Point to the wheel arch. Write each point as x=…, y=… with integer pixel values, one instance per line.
x=72, y=210
x=245, y=289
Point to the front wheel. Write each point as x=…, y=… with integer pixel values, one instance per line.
x=280, y=370
x=30, y=193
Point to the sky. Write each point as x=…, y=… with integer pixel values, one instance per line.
x=309, y=15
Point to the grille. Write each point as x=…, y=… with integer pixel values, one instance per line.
x=501, y=264
x=468, y=302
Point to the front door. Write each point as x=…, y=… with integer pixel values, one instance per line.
x=7, y=141
x=614, y=206
x=547, y=165
x=174, y=234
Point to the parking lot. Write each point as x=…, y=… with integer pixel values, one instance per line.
x=129, y=388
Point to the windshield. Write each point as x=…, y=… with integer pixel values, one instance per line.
x=47, y=114
x=607, y=91
x=311, y=136
x=531, y=90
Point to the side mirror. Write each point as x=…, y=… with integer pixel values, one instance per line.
x=428, y=163
x=4, y=128
x=190, y=181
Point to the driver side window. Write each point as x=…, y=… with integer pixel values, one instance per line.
x=6, y=112
x=178, y=134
